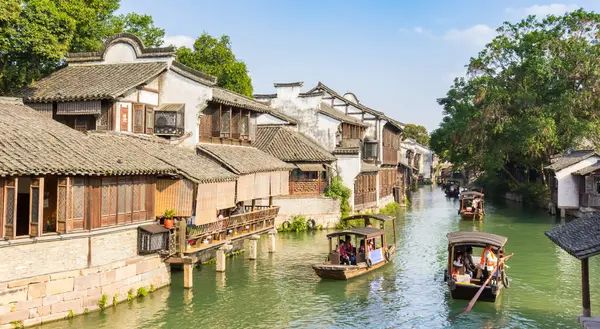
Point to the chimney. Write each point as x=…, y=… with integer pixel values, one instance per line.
x=288, y=90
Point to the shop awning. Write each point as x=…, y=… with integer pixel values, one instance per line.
x=310, y=166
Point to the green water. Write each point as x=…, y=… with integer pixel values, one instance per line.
x=281, y=290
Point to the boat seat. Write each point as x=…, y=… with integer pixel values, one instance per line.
x=334, y=258
x=361, y=257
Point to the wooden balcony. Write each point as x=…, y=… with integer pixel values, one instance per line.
x=589, y=200
x=308, y=187
x=365, y=199
x=260, y=220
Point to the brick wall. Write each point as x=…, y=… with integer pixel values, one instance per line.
x=50, y=297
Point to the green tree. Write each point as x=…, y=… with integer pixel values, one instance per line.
x=215, y=57
x=531, y=92
x=36, y=35
x=417, y=132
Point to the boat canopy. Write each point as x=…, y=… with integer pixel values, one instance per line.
x=379, y=217
x=476, y=238
x=471, y=194
x=367, y=232
x=452, y=181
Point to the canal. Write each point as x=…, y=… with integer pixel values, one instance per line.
x=281, y=291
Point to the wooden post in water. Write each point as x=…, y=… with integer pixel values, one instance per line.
x=585, y=287
x=254, y=246
x=272, y=240
x=188, y=269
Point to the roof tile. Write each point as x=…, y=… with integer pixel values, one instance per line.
x=289, y=145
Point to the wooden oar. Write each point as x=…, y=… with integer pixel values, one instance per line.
x=476, y=297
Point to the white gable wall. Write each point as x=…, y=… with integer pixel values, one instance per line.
x=123, y=52
x=348, y=167
x=568, y=185
x=267, y=119
x=179, y=89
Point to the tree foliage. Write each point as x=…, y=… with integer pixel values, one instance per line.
x=417, y=132
x=36, y=35
x=215, y=57
x=530, y=93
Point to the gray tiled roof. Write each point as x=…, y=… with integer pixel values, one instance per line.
x=243, y=159
x=193, y=74
x=195, y=167
x=588, y=170
x=231, y=98
x=338, y=115
x=566, y=160
x=289, y=145
x=91, y=82
x=348, y=146
x=580, y=237
x=368, y=167
x=31, y=144
x=380, y=115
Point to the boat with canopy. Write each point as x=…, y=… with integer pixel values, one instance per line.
x=472, y=205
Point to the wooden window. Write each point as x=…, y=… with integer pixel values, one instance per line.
x=206, y=122
x=245, y=129
x=121, y=196
x=149, y=120
x=78, y=190
x=36, y=206
x=81, y=124
x=1, y=208
x=62, y=205
x=10, y=207
x=109, y=201
x=235, y=124
x=226, y=122
x=216, y=123
x=138, y=118
x=124, y=118
x=370, y=150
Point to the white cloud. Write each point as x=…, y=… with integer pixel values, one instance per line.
x=179, y=40
x=544, y=10
x=477, y=35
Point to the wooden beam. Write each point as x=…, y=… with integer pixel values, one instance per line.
x=585, y=287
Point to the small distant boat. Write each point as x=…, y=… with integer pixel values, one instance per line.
x=366, y=260
x=471, y=205
x=452, y=188
x=461, y=285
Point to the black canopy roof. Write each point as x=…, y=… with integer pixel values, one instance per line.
x=367, y=232
x=476, y=238
x=380, y=217
x=580, y=237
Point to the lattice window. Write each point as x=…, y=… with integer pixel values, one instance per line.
x=61, y=209
x=216, y=124
x=225, y=123
x=78, y=199
x=142, y=195
x=121, y=198
x=113, y=199
x=105, y=189
x=245, y=130
x=136, y=196
x=235, y=124
x=10, y=205
x=35, y=204
x=138, y=118
x=128, y=195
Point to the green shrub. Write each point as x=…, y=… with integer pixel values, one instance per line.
x=70, y=316
x=115, y=300
x=390, y=209
x=339, y=191
x=298, y=223
x=152, y=287
x=169, y=213
x=102, y=302
x=130, y=295
x=142, y=292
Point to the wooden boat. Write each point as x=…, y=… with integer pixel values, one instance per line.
x=452, y=188
x=462, y=286
x=467, y=210
x=365, y=262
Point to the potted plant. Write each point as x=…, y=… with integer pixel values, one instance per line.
x=168, y=215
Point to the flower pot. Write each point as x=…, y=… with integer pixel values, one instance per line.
x=168, y=223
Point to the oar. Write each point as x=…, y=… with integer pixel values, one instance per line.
x=476, y=297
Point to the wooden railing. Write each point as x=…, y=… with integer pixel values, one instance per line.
x=308, y=187
x=365, y=198
x=262, y=217
x=589, y=200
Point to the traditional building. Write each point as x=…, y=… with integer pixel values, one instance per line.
x=418, y=157
x=571, y=179
x=364, y=141
x=70, y=208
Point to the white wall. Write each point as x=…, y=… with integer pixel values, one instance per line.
x=267, y=119
x=178, y=89
x=568, y=185
x=348, y=167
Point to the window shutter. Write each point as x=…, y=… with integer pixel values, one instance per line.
x=589, y=184
x=138, y=118
x=10, y=208
x=235, y=124
x=36, y=206
x=149, y=120
x=1, y=208
x=62, y=205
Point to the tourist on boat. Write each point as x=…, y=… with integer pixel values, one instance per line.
x=362, y=247
x=344, y=258
x=220, y=215
x=348, y=245
x=468, y=260
x=239, y=209
x=488, y=262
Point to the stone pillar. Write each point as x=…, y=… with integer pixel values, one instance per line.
x=221, y=257
x=188, y=268
x=254, y=246
x=563, y=213
x=272, y=241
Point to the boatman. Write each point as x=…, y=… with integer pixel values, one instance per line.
x=488, y=262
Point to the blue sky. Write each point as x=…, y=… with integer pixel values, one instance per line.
x=396, y=56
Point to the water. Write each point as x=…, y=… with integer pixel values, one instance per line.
x=281, y=290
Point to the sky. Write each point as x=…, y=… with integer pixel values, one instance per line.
x=397, y=57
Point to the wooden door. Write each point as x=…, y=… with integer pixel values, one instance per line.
x=36, y=206
x=62, y=205
x=149, y=120
x=138, y=118
x=124, y=118
x=10, y=208
x=79, y=203
x=94, y=203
